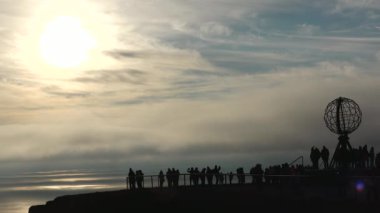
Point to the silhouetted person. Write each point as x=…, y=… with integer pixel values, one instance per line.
x=252, y=173
x=314, y=157
x=132, y=179
x=231, y=177
x=196, y=176
x=216, y=172
x=377, y=160
x=169, y=177
x=267, y=178
x=191, y=172
x=372, y=157
x=139, y=179
x=355, y=158
x=365, y=157
x=240, y=175
x=176, y=177
x=209, y=176
x=258, y=174
x=202, y=176
x=221, y=178
x=325, y=157
x=361, y=157
x=161, y=178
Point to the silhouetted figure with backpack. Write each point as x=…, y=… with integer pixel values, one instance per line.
x=325, y=154
x=132, y=179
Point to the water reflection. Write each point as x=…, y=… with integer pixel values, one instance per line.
x=18, y=192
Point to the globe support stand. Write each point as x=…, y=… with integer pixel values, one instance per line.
x=343, y=150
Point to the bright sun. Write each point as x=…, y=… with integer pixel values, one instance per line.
x=65, y=43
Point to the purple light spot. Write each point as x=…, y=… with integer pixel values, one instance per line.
x=359, y=186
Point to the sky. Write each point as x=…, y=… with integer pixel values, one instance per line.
x=161, y=83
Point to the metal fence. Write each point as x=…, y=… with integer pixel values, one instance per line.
x=153, y=181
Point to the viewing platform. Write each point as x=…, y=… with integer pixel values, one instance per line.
x=296, y=193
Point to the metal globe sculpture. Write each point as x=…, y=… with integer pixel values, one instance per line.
x=343, y=116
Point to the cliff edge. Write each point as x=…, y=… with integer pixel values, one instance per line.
x=228, y=198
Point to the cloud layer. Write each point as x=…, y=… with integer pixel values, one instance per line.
x=192, y=82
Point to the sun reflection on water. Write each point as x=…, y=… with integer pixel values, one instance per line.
x=19, y=192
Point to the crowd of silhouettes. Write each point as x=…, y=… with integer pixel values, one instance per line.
x=214, y=176
x=361, y=158
x=279, y=173
x=136, y=179
x=315, y=155
x=172, y=176
x=257, y=174
x=206, y=175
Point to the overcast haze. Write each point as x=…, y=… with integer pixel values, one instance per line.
x=108, y=85
x=156, y=83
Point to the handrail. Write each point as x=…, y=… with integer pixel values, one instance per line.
x=186, y=182
x=300, y=157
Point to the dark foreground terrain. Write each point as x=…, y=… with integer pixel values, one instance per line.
x=227, y=198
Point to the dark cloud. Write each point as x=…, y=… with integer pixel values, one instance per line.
x=182, y=95
x=120, y=54
x=57, y=91
x=130, y=76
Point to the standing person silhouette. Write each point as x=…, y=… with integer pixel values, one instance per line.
x=209, y=176
x=240, y=175
x=252, y=174
x=161, y=178
x=365, y=157
x=132, y=179
x=314, y=157
x=202, y=176
x=372, y=157
x=169, y=177
x=196, y=176
x=231, y=177
x=139, y=179
x=325, y=154
x=191, y=174
x=377, y=161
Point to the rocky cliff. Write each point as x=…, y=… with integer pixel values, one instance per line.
x=229, y=198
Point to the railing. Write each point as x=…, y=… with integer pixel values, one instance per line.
x=297, y=159
x=153, y=181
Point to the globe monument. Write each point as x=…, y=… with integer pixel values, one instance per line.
x=342, y=117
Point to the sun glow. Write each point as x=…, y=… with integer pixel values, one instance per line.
x=65, y=43
x=63, y=39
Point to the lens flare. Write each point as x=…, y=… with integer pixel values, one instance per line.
x=359, y=186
